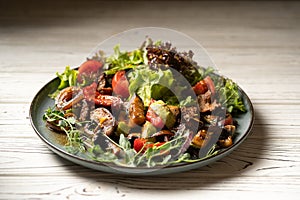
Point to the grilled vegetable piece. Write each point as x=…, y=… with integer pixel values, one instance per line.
x=68, y=97
x=206, y=102
x=104, y=119
x=105, y=100
x=123, y=128
x=175, y=110
x=136, y=111
x=227, y=142
x=91, y=94
x=226, y=138
x=200, y=139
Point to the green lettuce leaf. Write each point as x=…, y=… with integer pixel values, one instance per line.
x=67, y=78
x=151, y=84
x=230, y=96
x=123, y=60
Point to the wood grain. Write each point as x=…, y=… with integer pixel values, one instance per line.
x=257, y=44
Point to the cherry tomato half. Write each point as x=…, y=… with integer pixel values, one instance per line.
x=228, y=120
x=141, y=143
x=200, y=87
x=120, y=84
x=210, y=84
x=88, y=69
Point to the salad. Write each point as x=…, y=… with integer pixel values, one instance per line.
x=152, y=106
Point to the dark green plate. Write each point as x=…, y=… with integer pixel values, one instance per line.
x=55, y=141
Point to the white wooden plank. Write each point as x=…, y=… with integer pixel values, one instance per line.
x=254, y=43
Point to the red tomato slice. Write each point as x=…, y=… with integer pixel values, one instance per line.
x=228, y=120
x=210, y=84
x=139, y=143
x=88, y=68
x=120, y=84
x=200, y=87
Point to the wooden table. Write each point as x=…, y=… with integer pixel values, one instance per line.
x=257, y=44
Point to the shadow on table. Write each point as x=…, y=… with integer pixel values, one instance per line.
x=245, y=158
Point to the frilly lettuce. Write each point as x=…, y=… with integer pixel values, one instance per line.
x=123, y=60
x=229, y=95
x=153, y=84
x=67, y=78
